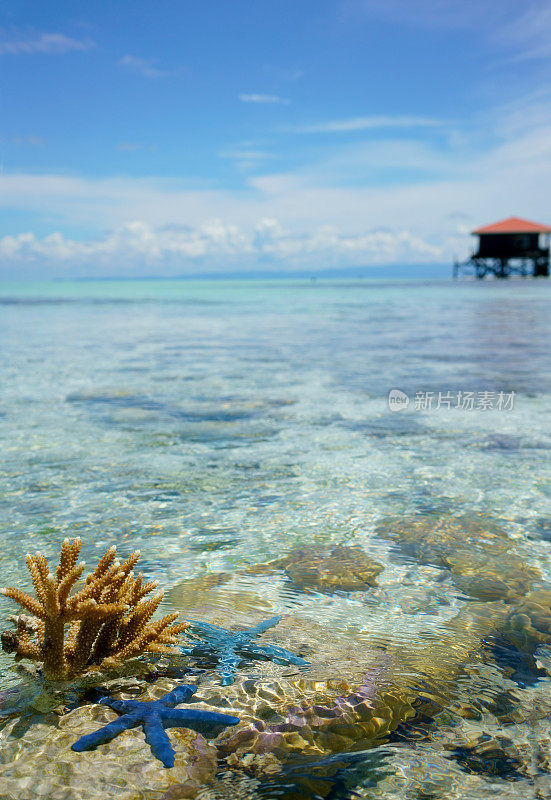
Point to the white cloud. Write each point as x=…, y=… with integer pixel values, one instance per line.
x=213, y=246
x=146, y=67
x=329, y=247
x=365, y=123
x=264, y=98
x=51, y=43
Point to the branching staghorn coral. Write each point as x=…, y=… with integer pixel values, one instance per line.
x=109, y=618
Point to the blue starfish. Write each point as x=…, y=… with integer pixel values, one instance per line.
x=155, y=716
x=230, y=648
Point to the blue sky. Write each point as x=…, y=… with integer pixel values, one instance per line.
x=170, y=138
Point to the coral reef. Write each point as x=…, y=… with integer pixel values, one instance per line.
x=330, y=718
x=109, y=617
x=325, y=568
x=362, y=686
x=230, y=648
x=155, y=716
x=316, y=716
x=357, y=692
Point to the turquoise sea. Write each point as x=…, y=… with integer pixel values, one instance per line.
x=217, y=424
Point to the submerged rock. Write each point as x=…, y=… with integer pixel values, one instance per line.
x=354, y=695
x=498, y=577
x=529, y=623
x=432, y=539
x=483, y=559
x=325, y=568
x=155, y=716
x=227, y=786
x=36, y=760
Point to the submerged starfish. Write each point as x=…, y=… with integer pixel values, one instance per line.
x=230, y=648
x=155, y=716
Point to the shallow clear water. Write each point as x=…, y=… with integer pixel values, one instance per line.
x=214, y=425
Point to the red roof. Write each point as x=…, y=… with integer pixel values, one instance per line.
x=514, y=225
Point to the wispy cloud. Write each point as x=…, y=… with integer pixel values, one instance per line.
x=248, y=155
x=129, y=147
x=521, y=30
x=246, y=158
x=283, y=74
x=264, y=98
x=50, y=43
x=364, y=124
x=133, y=147
x=146, y=67
x=529, y=35
x=439, y=14
x=30, y=141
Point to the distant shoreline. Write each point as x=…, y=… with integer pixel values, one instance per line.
x=429, y=273
x=387, y=272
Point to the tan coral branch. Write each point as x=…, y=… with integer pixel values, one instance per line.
x=107, y=619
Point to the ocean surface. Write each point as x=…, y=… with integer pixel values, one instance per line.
x=214, y=425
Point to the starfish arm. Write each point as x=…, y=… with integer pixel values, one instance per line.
x=178, y=695
x=122, y=706
x=229, y=663
x=105, y=734
x=197, y=719
x=200, y=650
x=276, y=654
x=156, y=737
x=197, y=650
x=264, y=626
